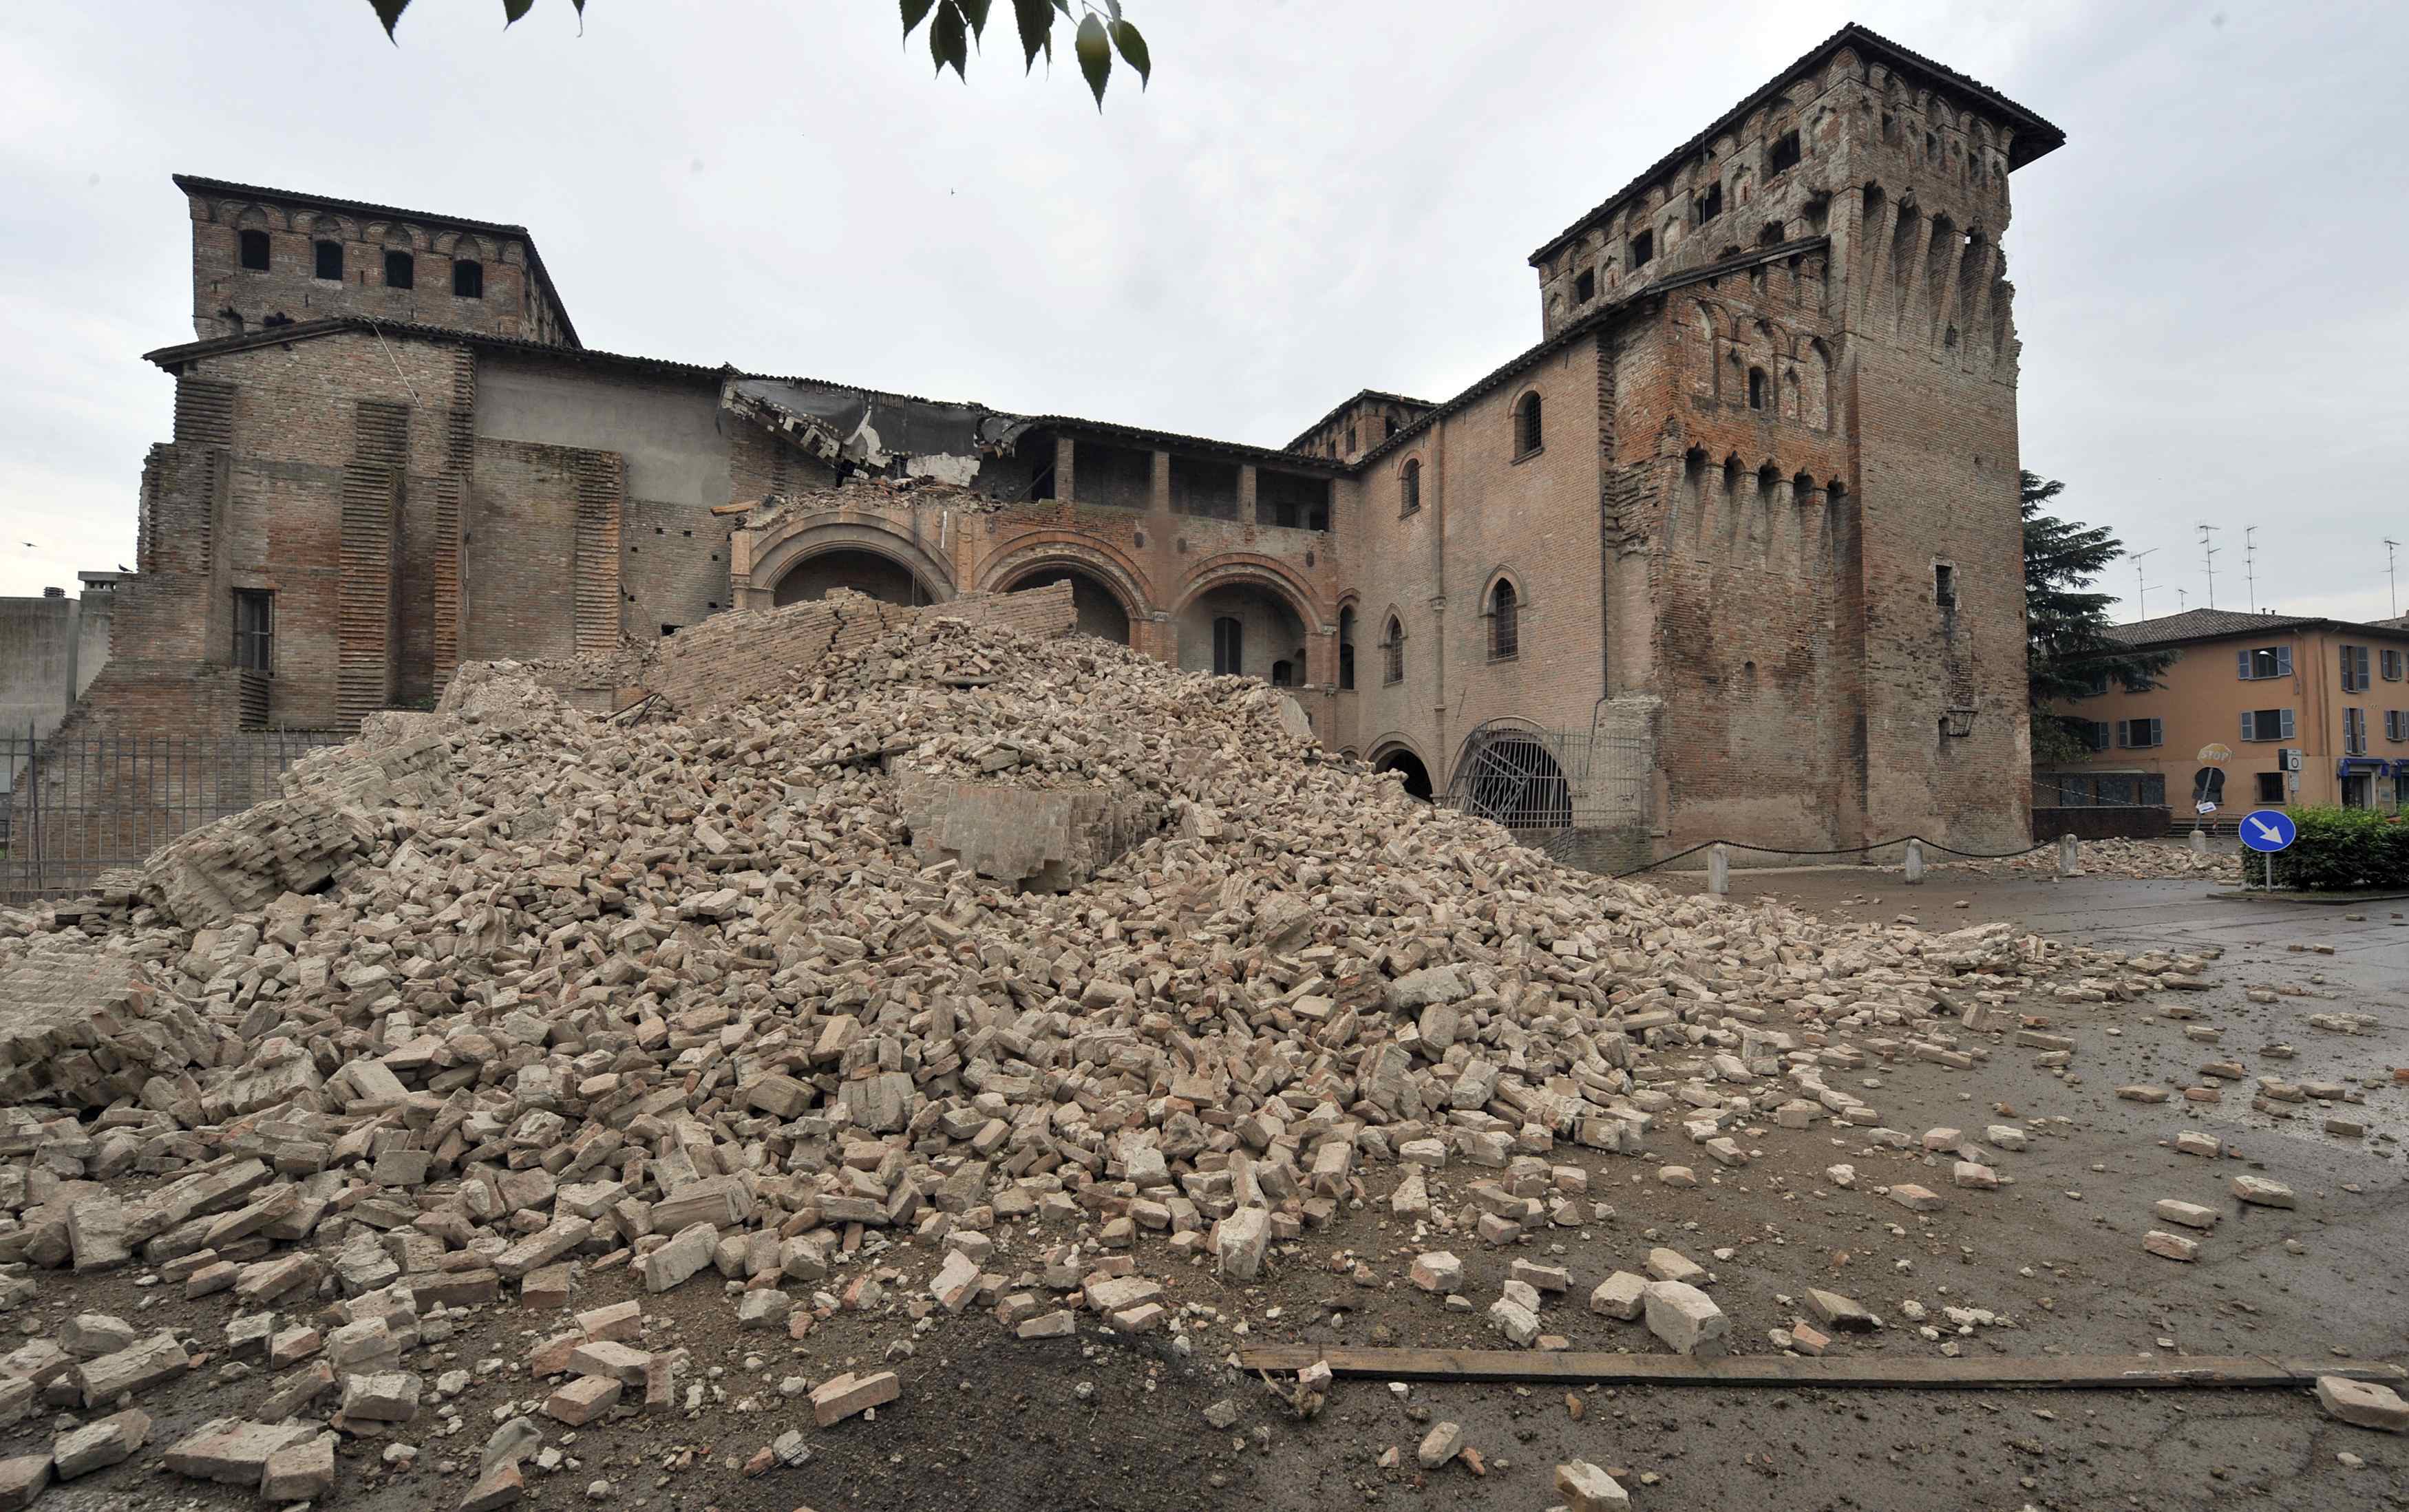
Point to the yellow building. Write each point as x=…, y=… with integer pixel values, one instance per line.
x=2257, y=710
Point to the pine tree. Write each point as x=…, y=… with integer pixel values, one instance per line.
x=2068, y=649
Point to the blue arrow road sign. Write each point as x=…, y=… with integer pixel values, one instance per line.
x=2268, y=829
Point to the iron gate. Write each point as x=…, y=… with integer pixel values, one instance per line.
x=1579, y=795
x=72, y=809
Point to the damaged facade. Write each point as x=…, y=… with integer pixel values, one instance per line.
x=1733, y=551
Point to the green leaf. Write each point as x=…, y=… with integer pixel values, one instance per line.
x=1036, y=18
x=975, y=12
x=389, y=13
x=948, y=41
x=1133, y=51
x=1095, y=56
x=914, y=12
x=513, y=9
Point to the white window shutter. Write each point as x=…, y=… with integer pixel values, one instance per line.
x=2245, y=724
x=2242, y=665
x=2283, y=661
x=2288, y=724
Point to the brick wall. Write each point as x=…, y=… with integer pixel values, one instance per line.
x=513, y=303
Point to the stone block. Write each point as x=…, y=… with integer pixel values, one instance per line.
x=833, y=1401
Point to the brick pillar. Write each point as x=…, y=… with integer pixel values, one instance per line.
x=1064, y=466
x=1245, y=493
x=1159, y=497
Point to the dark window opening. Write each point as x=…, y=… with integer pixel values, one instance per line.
x=2264, y=662
x=2266, y=723
x=467, y=280
x=1410, y=486
x=1346, y=649
x=1785, y=151
x=2140, y=734
x=1944, y=586
x=1351, y=441
x=1644, y=247
x=254, y=631
x=2354, y=668
x=2271, y=787
x=1711, y=202
x=254, y=251
x=1756, y=388
x=1694, y=463
x=1584, y=286
x=1527, y=431
x=400, y=270
x=1229, y=647
x=667, y=630
x=329, y=264
x=1393, y=653
x=1293, y=501
x=1505, y=624
x=1283, y=674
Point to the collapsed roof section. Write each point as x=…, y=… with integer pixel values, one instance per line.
x=873, y=431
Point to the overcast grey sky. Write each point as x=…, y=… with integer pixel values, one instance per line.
x=1314, y=196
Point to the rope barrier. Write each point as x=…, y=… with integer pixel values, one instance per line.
x=1850, y=850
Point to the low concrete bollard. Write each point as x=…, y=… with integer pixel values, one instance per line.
x=2068, y=861
x=2198, y=842
x=1914, y=862
x=1719, y=871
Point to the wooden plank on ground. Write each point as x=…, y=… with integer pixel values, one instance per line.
x=2037, y=1372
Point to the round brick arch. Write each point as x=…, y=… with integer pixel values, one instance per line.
x=792, y=543
x=1250, y=569
x=1118, y=573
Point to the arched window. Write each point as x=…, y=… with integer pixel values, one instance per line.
x=1504, y=623
x=1756, y=388
x=1393, y=653
x=1283, y=674
x=1410, y=486
x=468, y=280
x=328, y=258
x=1347, y=648
x=254, y=251
x=1227, y=647
x=400, y=270
x=1527, y=431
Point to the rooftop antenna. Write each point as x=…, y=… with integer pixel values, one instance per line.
x=2140, y=589
x=2250, y=564
x=2208, y=559
x=2182, y=601
x=2391, y=588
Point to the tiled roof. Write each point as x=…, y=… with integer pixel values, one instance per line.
x=2038, y=136
x=193, y=183
x=2199, y=624
x=2214, y=623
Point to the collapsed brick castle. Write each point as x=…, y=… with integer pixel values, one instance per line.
x=1733, y=551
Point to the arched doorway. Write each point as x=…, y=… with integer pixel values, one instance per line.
x=1244, y=629
x=1417, y=782
x=1099, y=610
x=863, y=571
x=1507, y=773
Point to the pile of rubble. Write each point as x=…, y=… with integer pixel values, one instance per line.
x=2141, y=861
x=970, y=974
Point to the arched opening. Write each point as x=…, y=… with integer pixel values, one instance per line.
x=1347, y=648
x=882, y=577
x=1417, y=782
x=1393, y=651
x=1241, y=629
x=1504, y=623
x=1756, y=388
x=1528, y=432
x=1097, y=608
x=1506, y=774
x=1410, y=486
